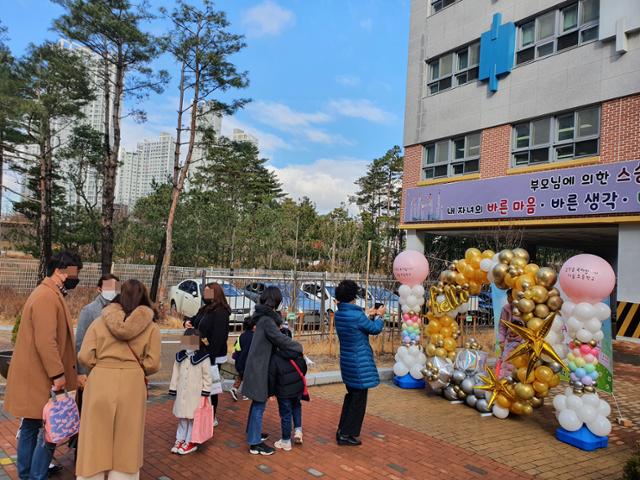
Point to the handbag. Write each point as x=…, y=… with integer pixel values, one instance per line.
x=305, y=390
x=146, y=380
x=61, y=418
x=202, y=422
x=216, y=380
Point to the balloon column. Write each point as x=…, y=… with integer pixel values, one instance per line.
x=410, y=268
x=585, y=280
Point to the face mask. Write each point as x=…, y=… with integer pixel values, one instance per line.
x=109, y=295
x=71, y=283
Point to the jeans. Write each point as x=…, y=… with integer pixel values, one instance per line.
x=254, y=424
x=34, y=454
x=185, y=428
x=353, y=410
x=289, y=407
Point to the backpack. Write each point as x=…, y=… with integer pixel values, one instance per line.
x=61, y=418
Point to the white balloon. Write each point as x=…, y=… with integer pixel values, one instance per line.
x=591, y=399
x=584, y=311
x=418, y=291
x=500, y=412
x=414, y=351
x=557, y=324
x=568, y=392
x=422, y=358
x=402, y=350
x=421, y=300
x=411, y=299
x=464, y=308
x=416, y=372
x=587, y=413
x=485, y=264
x=414, y=307
x=604, y=408
x=584, y=335
x=574, y=403
x=561, y=349
x=495, y=259
x=440, y=298
x=397, y=357
x=593, y=325
x=603, y=312
x=601, y=426
x=567, y=308
x=573, y=324
x=553, y=337
x=405, y=308
x=404, y=291
x=490, y=277
x=569, y=420
x=598, y=336
x=400, y=369
x=560, y=402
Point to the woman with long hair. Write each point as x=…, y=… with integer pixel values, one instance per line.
x=266, y=340
x=121, y=348
x=212, y=320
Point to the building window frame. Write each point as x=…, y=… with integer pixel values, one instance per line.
x=452, y=157
x=558, y=144
x=436, y=6
x=532, y=43
x=464, y=68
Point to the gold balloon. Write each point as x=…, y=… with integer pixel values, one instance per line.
x=528, y=294
x=509, y=280
x=451, y=356
x=539, y=294
x=461, y=265
x=546, y=277
x=555, y=381
x=525, y=305
x=540, y=387
x=531, y=268
x=554, y=292
x=503, y=401
x=541, y=311
x=527, y=316
x=517, y=407
x=537, y=402
x=472, y=253
x=518, y=294
x=499, y=271
x=535, y=324
x=521, y=253
x=527, y=409
x=488, y=254
x=519, y=362
x=441, y=352
x=431, y=350
x=491, y=383
x=505, y=256
x=515, y=312
x=448, y=276
x=524, y=391
x=523, y=377
x=554, y=303
x=544, y=374
x=518, y=262
x=449, y=344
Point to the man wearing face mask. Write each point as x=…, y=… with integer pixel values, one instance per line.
x=44, y=359
x=108, y=288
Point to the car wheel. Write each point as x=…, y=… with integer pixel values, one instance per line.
x=174, y=309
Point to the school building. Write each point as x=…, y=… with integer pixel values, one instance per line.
x=526, y=115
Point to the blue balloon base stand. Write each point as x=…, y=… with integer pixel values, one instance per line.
x=582, y=439
x=407, y=381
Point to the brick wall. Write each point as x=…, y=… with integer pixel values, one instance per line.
x=495, y=151
x=620, y=130
x=412, y=171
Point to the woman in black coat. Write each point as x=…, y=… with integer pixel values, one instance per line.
x=266, y=340
x=212, y=321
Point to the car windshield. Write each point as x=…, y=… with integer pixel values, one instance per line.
x=331, y=291
x=228, y=289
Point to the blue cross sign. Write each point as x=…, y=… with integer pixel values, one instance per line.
x=497, y=50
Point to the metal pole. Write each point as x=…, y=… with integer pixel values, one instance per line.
x=366, y=288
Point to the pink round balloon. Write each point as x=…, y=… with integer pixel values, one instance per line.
x=585, y=348
x=410, y=268
x=587, y=278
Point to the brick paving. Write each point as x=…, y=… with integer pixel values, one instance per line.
x=407, y=435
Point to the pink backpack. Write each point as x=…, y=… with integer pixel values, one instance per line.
x=61, y=418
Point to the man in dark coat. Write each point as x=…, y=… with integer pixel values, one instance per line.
x=266, y=339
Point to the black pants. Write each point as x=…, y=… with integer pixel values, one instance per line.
x=353, y=410
x=214, y=402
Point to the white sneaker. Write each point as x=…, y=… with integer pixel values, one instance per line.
x=234, y=393
x=283, y=445
x=297, y=437
x=177, y=446
x=215, y=422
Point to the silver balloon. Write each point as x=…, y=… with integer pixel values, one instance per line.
x=467, y=385
x=444, y=369
x=458, y=376
x=471, y=400
x=482, y=405
x=470, y=360
x=578, y=385
x=476, y=391
x=555, y=367
x=450, y=393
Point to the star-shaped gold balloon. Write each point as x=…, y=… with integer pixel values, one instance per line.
x=534, y=344
x=495, y=386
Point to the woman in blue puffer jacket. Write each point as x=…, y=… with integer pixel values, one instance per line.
x=359, y=372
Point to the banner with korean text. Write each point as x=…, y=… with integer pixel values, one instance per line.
x=604, y=189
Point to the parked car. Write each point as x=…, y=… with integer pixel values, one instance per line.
x=390, y=300
x=305, y=305
x=314, y=290
x=186, y=299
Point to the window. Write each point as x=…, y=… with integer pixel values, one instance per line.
x=451, y=157
x=558, y=30
x=437, y=5
x=452, y=69
x=562, y=137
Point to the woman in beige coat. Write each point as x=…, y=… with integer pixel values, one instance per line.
x=121, y=348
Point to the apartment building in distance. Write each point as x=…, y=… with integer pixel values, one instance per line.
x=526, y=114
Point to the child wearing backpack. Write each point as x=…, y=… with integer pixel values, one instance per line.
x=191, y=380
x=287, y=382
x=240, y=353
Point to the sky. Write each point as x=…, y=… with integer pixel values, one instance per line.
x=327, y=83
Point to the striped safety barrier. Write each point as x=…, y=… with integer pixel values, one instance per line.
x=628, y=320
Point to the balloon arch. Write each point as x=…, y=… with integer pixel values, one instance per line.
x=552, y=326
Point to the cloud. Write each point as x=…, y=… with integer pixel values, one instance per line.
x=366, y=23
x=360, y=108
x=348, y=80
x=327, y=182
x=267, y=19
